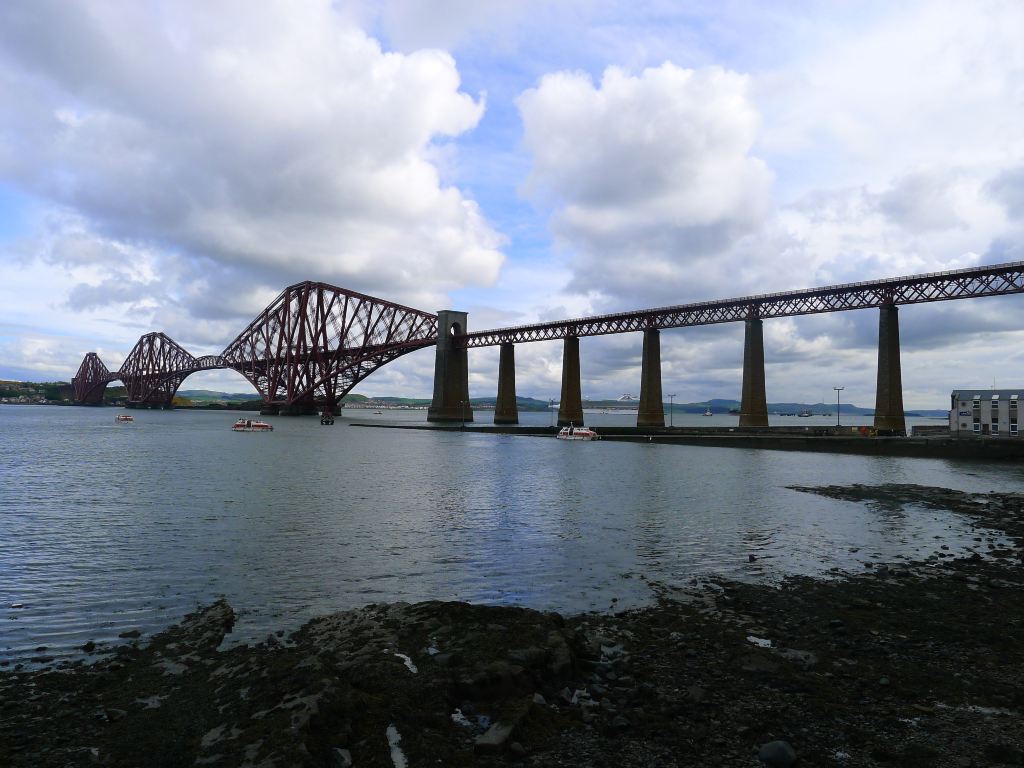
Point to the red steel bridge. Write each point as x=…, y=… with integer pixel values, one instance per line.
x=308, y=349
x=316, y=341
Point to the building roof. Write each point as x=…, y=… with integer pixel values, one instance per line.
x=986, y=394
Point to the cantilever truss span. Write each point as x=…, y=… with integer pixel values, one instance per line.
x=316, y=341
x=310, y=346
x=151, y=373
x=995, y=280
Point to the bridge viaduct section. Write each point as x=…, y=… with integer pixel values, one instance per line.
x=316, y=341
x=885, y=295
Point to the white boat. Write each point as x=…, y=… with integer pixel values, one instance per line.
x=707, y=412
x=123, y=418
x=577, y=433
x=251, y=425
x=804, y=414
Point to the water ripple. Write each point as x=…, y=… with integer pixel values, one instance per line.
x=108, y=528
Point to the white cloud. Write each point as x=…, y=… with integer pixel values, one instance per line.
x=925, y=84
x=1008, y=189
x=888, y=147
x=650, y=173
x=184, y=162
x=239, y=152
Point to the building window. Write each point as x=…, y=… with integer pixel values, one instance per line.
x=995, y=427
x=977, y=427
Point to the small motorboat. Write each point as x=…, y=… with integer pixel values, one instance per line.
x=123, y=418
x=707, y=412
x=804, y=414
x=577, y=433
x=251, y=425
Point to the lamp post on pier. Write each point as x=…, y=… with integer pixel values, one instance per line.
x=838, y=390
x=671, y=408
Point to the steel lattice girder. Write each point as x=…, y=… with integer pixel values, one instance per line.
x=995, y=280
x=155, y=368
x=318, y=340
x=92, y=377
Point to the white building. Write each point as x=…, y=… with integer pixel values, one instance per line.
x=984, y=412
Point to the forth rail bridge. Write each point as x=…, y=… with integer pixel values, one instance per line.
x=316, y=341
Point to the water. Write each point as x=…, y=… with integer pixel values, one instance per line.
x=106, y=527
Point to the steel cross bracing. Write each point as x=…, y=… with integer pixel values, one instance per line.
x=92, y=377
x=314, y=342
x=154, y=369
x=994, y=280
x=317, y=341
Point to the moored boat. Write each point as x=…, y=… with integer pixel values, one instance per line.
x=707, y=412
x=251, y=425
x=123, y=418
x=577, y=433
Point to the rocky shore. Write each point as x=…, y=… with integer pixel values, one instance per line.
x=910, y=664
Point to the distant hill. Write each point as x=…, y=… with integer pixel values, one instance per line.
x=209, y=396
x=58, y=391
x=715, y=404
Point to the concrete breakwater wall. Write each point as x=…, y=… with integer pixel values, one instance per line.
x=817, y=439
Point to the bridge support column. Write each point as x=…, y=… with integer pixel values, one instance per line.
x=451, y=372
x=652, y=409
x=754, y=404
x=304, y=406
x=570, y=407
x=505, y=409
x=889, y=391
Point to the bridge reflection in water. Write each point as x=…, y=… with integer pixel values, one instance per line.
x=316, y=341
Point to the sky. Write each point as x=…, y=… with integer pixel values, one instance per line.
x=173, y=165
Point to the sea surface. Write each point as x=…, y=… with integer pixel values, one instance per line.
x=108, y=527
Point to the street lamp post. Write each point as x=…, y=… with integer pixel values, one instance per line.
x=671, y=409
x=838, y=390
x=462, y=412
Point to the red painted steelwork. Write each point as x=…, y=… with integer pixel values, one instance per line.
x=317, y=341
x=995, y=280
x=155, y=368
x=311, y=345
x=90, y=381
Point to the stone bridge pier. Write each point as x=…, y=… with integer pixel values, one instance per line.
x=889, y=415
x=651, y=412
x=450, y=402
x=753, y=400
x=506, y=411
